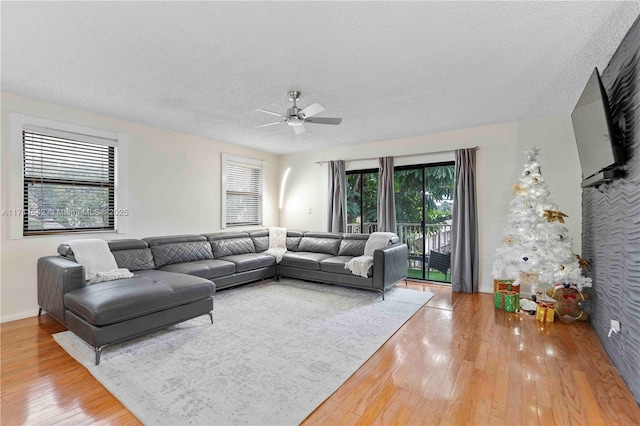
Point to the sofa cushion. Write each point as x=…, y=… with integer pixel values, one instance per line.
x=155, y=275
x=178, y=249
x=293, y=239
x=336, y=265
x=226, y=244
x=135, y=255
x=353, y=244
x=328, y=243
x=304, y=260
x=209, y=268
x=261, y=244
x=232, y=247
x=250, y=261
x=131, y=254
x=110, y=302
x=260, y=240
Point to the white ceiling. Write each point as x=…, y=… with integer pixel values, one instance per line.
x=389, y=69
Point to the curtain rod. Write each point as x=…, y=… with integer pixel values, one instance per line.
x=398, y=156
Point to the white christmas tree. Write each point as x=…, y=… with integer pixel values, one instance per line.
x=536, y=239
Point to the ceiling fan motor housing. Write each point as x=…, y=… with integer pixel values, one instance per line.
x=297, y=117
x=294, y=110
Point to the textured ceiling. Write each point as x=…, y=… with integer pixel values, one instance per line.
x=389, y=69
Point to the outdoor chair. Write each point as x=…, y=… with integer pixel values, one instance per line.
x=440, y=262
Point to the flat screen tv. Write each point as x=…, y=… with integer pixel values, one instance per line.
x=601, y=154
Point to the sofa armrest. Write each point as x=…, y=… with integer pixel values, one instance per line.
x=57, y=276
x=389, y=265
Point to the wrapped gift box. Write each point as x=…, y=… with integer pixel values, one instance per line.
x=545, y=311
x=505, y=285
x=506, y=300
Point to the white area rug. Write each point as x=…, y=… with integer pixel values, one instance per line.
x=274, y=353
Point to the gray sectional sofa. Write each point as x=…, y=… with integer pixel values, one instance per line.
x=175, y=277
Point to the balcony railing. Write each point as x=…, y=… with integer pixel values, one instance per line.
x=436, y=237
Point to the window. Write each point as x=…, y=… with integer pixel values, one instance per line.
x=242, y=191
x=68, y=182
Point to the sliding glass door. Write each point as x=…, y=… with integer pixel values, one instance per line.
x=424, y=199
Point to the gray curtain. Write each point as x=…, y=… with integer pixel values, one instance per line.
x=386, y=197
x=464, y=229
x=337, y=197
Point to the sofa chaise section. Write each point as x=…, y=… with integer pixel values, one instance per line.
x=113, y=311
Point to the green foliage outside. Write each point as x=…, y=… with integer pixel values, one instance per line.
x=408, y=195
x=69, y=184
x=362, y=194
x=54, y=206
x=438, y=189
x=369, y=198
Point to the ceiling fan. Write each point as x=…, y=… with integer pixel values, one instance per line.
x=296, y=117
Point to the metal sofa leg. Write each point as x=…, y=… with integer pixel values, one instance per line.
x=39, y=311
x=98, y=351
x=211, y=316
x=382, y=293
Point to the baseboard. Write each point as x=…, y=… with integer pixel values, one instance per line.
x=19, y=316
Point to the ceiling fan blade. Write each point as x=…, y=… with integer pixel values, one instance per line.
x=268, y=124
x=299, y=129
x=323, y=120
x=311, y=110
x=268, y=112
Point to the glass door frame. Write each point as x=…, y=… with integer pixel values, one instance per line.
x=423, y=225
x=365, y=227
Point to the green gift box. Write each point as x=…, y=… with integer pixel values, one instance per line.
x=506, y=300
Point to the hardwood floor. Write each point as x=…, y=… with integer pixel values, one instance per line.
x=457, y=361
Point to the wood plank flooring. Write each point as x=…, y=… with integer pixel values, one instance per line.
x=457, y=361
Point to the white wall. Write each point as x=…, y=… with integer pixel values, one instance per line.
x=173, y=184
x=173, y=187
x=500, y=161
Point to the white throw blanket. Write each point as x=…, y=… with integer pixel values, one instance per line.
x=98, y=261
x=360, y=265
x=277, y=242
x=114, y=274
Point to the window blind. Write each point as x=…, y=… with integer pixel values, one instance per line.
x=69, y=185
x=243, y=193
